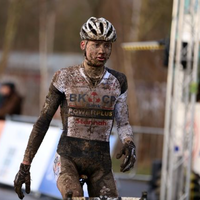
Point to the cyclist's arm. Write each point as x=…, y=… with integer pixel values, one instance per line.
x=122, y=118
x=53, y=100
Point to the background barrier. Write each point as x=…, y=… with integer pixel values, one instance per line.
x=13, y=140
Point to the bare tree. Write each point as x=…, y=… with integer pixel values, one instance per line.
x=14, y=14
x=46, y=38
x=129, y=68
x=96, y=7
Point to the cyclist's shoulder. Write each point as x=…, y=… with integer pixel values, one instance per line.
x=119, y=75
x=67, y=70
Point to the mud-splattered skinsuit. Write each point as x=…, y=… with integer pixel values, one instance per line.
x=87, y=112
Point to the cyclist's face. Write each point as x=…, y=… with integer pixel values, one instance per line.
x=5, y=90
x=97, y=52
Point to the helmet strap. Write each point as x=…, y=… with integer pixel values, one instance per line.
x=85, y=49
x=89, y=63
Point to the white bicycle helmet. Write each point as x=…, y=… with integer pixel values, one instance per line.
x=98, y=29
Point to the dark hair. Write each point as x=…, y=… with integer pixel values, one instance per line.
x=10, y=85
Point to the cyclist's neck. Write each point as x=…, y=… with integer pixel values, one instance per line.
x=93, y=71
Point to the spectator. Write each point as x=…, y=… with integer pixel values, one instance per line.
x=10, y=100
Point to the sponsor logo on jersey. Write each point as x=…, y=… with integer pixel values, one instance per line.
x=91, y=113
x=92, y=99
x=91, y=122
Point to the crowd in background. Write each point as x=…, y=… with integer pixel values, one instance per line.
x=10, y=100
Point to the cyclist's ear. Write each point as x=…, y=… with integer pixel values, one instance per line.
x=83, y=44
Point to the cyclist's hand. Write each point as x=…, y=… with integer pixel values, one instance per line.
x=129, y=150
x=23, y=176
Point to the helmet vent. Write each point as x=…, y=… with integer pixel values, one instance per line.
x=84, y=32
x=109, y=32
x=92, y=29
x=101, y=27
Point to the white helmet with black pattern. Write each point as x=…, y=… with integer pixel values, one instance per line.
x=98, y=29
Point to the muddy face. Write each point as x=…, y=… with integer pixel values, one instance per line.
x=97, y=52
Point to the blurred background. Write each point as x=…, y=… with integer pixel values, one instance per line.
x=39, y=37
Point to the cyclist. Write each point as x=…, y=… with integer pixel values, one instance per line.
x=90, y=97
